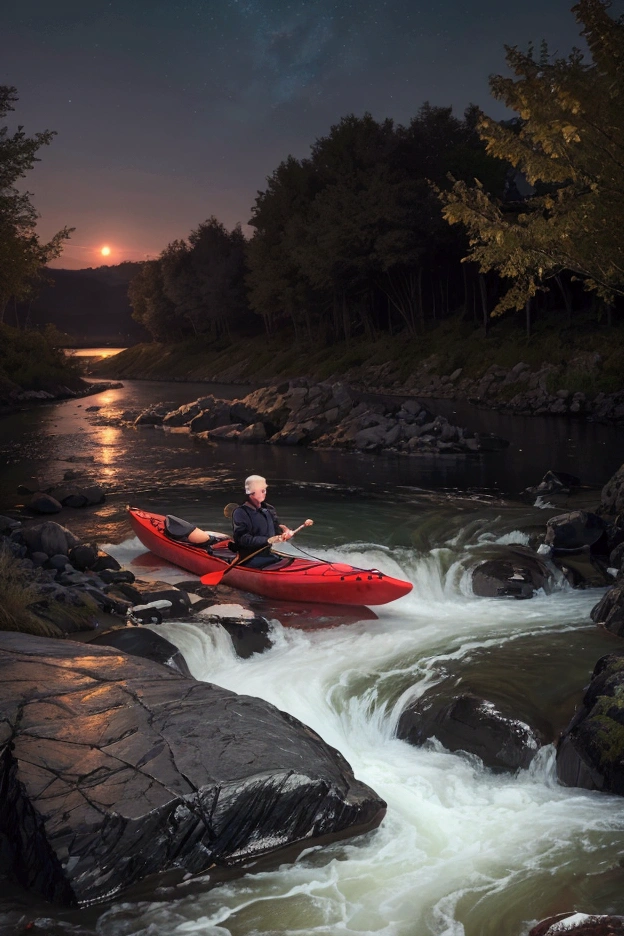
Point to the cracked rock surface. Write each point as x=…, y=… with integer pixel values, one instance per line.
x=113, y=767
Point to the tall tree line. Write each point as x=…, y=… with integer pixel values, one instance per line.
x=388, y=228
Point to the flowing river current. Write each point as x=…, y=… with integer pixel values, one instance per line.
x=462, y=851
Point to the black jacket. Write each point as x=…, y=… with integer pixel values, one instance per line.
x=252, y=528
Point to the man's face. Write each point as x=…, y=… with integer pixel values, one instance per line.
x=260, y=491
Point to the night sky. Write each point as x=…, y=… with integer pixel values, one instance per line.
x=169, y=111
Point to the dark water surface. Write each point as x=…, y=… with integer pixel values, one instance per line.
x=462, y=852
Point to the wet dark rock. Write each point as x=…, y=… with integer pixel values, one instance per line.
x=216, y=414
x=104, y=561
x=250, y=632
x=83, y=556
x=590, y=753
x=115, y=768
x=144, y=592
x=44, y=503
x=573, y=923
x=58, y=562
x=69, y=496
x=49, y=537
x=517, y=573
x=554, y=482
x=8, y=525
x=474, y=725
x=609, y=612
x=574, y=530
x=142, y=642
x=612, y=497
x=94, y=494
x=110, y=577
x=39, y=558
x=582, y=570
x=616, y=557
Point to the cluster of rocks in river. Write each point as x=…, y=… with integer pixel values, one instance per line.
x=321, y=415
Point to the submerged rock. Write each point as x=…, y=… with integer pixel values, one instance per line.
x=468, y=723
x=574, y=530
x=573, y=923
x=115, y=768
x=590, y=753
x=517, y=573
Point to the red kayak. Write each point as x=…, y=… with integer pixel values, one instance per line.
x=290, y=579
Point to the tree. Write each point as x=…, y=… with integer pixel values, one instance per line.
x=22, y=254
x=569, y=144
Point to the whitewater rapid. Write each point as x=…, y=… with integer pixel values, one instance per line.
x=462, y=851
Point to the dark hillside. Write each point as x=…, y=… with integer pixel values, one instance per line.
x=91, y=306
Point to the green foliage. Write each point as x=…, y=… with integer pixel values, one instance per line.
x=195, y=287
x=568, y=142
x=22, y=255
x=29, y=360
x=351, y=240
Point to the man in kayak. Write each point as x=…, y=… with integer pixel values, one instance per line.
x=255, y=524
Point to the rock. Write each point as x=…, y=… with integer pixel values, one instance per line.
x=609, y=612
x=142, y=592
x=142, y=642
x=226, y=433
x=473, y=725
x=253, y=434
x=216, y=414
x=149, y=418
x=183, y=415
x=31, y=486
x=249, y=632
x=517, y=573
x=44, y=504
x=49, y=537
x=83, y=556
x=8, y=525
x=573, y=923
x=612, y=498
x=115, y=768
x=554, y=482
x=104, y=561
x=109, y=577
x=582, y=570
x=590, y=753
x=574, y=530
x=94, y=494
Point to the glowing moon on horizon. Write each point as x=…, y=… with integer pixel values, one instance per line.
x=105, y=251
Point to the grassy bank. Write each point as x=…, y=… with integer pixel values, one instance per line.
x=454, y=344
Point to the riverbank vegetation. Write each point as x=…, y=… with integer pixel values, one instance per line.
x=381, y=244
x=30, y=360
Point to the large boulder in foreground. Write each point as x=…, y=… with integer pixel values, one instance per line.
x=573, y=923
x=114, y=767
x=590, y=753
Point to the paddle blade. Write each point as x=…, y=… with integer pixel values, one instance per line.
x=212, y=578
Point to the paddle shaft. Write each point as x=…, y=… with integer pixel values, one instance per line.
x=213, y=578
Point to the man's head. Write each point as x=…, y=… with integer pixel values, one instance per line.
x=256, y=487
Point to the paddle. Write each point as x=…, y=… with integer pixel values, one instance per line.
x=213, y=578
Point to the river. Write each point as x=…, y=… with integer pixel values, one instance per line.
x=462, y=851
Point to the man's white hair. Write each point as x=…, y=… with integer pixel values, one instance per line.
x=252, y=482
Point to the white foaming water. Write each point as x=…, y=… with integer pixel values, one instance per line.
x=461, y=852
